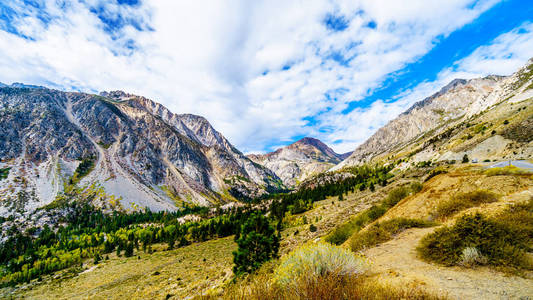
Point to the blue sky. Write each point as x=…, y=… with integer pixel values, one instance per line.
x=266, y=73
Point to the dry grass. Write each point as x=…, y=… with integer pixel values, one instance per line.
x=462, y=201
x=179, y=273
x=509, y=170
x=503, y=241
x=384, y=231
x=342, y=232
x=323, y=271
x=446, y=186
x=328, y=287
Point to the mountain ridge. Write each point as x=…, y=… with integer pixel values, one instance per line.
x=141, y=152
x=297, y=161
x=452, y=105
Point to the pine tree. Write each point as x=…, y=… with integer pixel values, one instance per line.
x=129, y=250
x=257, y=244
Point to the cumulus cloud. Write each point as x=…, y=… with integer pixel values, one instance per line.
x=502, y=56
x=262, y=72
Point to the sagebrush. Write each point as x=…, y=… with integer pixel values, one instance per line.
x=504, y=240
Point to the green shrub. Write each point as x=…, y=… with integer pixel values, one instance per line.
x=384, y=231
x=502, y=243
x=435, y=172
x=508, y=170
x=463, y=201
x=416, y=187
x=315, y=260
x=395, y=196
x=341, y=233
x=4, y=173
x=312, y=228
x=373, y=214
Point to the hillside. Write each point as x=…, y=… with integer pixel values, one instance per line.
x=299, y=160
x=432, y=217
x=136, y=149
x=484, y=118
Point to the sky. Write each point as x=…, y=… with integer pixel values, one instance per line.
x=266, y=73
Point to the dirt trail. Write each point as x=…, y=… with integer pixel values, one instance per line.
x=396, y=262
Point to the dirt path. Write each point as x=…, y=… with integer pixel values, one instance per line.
x=395, y=261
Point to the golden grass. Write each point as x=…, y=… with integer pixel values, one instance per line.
x=462, y=201
x=331, y=287
x=445, y=186
x=503, y=240
x=508, y=170
x=381, y=232
x=179, y=273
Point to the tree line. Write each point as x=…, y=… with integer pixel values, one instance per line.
x=92, y=234
x=88, y=232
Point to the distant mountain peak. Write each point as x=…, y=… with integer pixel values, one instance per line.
x=309, y=140
x=22, y=85
x=299, y=160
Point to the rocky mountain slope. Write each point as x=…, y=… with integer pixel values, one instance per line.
x=297, y=161
x=454, y=121
x=134, y=148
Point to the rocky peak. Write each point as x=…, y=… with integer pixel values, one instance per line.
x=314, y=148
x=142, y=153
x=116, y=95
x=299, y=160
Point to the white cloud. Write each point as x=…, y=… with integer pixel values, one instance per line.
x=225, y=60
x=503, y=56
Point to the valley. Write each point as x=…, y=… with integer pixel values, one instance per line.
x=111, y=196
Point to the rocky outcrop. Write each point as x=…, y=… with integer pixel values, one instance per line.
x=296, y=162
x=141, y=152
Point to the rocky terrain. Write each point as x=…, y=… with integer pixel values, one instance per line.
x=297, y=161
x=475, y=117
x=134, y=148
x=144, y=154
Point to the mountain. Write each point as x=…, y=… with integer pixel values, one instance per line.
x=132, y=147
x=21, y=85
x=464, y=117
x=299, y=160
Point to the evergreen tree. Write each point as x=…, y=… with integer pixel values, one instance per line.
x=129, y=250
x=97, y=258
x=257, y=244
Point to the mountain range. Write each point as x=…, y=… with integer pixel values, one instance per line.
x=144, y=155
x=134, y=148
